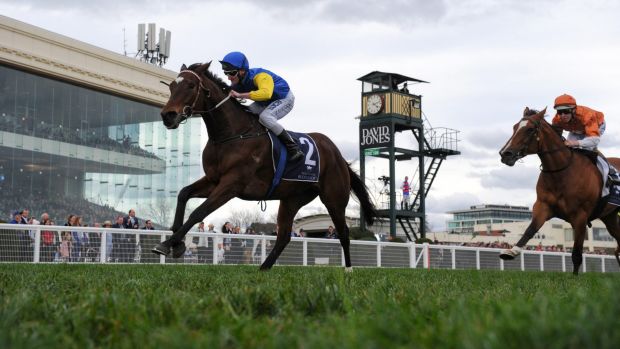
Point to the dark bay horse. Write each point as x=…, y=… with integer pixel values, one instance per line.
x=569, y=185
x=237, y=163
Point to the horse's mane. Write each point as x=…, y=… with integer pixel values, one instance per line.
x=220, y=83
x=556, y=129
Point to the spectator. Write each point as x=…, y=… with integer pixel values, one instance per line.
x=331, y=233
x=248, y=248
x=236, y=247
x=205, y=255
x=148, y=225
x=117, y=241
x=48, y=240
x=23, y=239
x=77, y=240
x=17, y=218
x=406, y=188
x=227, y=229
x=129, y=240
x=109, y=242
x=130, y=221
x=65, y=246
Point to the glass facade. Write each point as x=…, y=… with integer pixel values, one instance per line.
x=464, y=221
x=69, y=149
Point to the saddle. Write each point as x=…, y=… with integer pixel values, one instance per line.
x=613, y=177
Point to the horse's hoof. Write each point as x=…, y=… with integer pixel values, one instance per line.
x=506, y=256
x=348, y=269
x=510, y=254
x=178, y=250
x=161, y=249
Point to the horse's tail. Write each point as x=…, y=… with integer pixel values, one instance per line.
x=361, y=192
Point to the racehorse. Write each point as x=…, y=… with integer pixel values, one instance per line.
x=237, y=162
x=569, y=185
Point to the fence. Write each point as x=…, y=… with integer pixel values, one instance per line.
x=55, y=244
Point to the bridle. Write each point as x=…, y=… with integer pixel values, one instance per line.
x=188, y=110
x=521, y=152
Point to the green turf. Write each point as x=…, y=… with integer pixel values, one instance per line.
x=125, y=306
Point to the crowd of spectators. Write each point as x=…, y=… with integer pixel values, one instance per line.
x=58, y=207
x=73, y=244
x=87, y=138
x=539, y=247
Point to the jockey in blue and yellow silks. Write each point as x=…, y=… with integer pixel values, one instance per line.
x=272, y=96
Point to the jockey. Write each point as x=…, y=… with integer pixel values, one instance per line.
x=585, y=126
x=271, y=94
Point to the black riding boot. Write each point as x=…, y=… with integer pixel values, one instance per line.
x=613, y=176
x=294, y=153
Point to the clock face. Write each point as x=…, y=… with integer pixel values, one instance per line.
x=374, y=104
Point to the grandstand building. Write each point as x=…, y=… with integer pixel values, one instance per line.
x=80, y=130
x=463, y=221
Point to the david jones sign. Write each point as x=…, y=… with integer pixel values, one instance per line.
x=375, y=136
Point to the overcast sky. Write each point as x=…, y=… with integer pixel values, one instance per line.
x=485, y=61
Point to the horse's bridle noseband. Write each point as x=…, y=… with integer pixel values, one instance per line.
x=188, y=110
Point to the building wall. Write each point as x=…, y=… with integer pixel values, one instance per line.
x=555, y=232
x=35, y=49
x=80, y=131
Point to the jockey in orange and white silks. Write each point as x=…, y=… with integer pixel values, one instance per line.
x=585, y=125
x=271, y=93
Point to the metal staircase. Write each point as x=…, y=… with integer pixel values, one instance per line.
x=439, y=143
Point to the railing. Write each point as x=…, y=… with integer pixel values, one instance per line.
x=51, y=244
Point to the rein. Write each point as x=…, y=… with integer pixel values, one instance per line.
x=188, y=110
x=240, y=137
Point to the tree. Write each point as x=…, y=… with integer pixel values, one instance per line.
x=245, y=217
x=160, y=212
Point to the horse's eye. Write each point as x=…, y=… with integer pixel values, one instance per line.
x=191, y=85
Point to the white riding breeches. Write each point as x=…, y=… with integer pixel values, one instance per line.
x=269, y=115
x=589, y=143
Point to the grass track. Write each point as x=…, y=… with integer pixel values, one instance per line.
x=126, y=306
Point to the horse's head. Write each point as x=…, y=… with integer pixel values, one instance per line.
x=191, y=89
x=525, y=137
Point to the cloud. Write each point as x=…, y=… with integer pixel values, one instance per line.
x=511, y=178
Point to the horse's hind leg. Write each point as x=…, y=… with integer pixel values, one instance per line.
x=335, y=197
x=338, y=217
x=612, y=223
x=286, y=213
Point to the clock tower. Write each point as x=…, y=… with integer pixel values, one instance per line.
x=390, y=110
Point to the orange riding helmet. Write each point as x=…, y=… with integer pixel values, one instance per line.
x=565, y=102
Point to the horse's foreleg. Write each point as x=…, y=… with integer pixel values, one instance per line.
x=218, y=197
x=540, y=214
x=577, y=254
x=199, y=189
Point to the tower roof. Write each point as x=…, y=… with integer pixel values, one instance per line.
x=378, y=77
